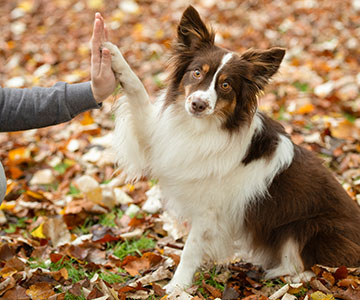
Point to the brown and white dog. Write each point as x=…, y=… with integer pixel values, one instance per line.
x=227, y=168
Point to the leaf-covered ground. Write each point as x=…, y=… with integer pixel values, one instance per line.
x=71, y=229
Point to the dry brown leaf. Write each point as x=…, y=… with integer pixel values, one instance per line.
x=18, y=293
x=40, y=291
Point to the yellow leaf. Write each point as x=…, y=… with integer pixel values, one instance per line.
x=130, y=187
x=26, y=5
x=69, y=162
x=38, y=232
x=321, y=296
x=84, y=50
x=138, y=31
x=7, y=271
x=7, y=205
x=95, y=195
x=117, y=15
x=10, y=186
x=95, y=4
x=34, y=195
x=159, y=34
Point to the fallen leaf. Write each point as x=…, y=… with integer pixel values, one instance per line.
x=134, y=265
x=348, y=282
x=212, y=290
x=40, y=291
x=56, y=230
x=18, y=293
x=341, y=273
x=321, y=296
x=19, y=155
x=39, y=232
x=87, y=118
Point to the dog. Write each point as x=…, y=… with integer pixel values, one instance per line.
x=226, y=167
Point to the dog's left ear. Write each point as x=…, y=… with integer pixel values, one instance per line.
x=192, y=32
x=263, y=64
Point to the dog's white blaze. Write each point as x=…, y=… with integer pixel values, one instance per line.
x=209, y=95
x=211, y=90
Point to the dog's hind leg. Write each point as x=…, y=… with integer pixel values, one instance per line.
x=291, y=262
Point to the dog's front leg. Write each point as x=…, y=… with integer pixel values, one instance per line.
x=191, y=259
x=131, y=84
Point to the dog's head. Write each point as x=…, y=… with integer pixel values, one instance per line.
x=213, y=82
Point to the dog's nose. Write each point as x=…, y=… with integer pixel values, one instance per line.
x=198, y=105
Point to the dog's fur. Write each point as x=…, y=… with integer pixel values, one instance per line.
x=230, y=170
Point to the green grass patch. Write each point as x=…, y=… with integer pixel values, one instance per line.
x=160, y=84
x=282, y=114
x=109, y=219
x=123, y=249
x=37, y=264
x=351, y=118
x=85, y=227
x=273, y=283
x=50, y=187
x=73, y=190
x=153, y=182
x=210, y=278
x=13, y=227
x=301, y=86
x=63, y=166
x=69, y=296
x=112, y=278
x=302, y=292
x=75, y=271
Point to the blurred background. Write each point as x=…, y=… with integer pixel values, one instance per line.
x=65, y=203
x=315, y=95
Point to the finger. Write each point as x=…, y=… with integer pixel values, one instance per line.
x=106, y=33
x=95, y=45
x=100, y=17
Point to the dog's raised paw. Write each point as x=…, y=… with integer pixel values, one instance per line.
x=118, y=62
x=112, y=48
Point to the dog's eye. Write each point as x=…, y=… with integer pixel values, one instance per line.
x=225, y=86
x=197, y=74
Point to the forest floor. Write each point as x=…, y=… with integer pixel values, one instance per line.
x=71, y=229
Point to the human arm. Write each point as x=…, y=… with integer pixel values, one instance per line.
x=22, y=109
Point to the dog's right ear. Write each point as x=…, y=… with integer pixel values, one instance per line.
x=192, y=32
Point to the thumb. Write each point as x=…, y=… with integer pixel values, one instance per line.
x=105, y=61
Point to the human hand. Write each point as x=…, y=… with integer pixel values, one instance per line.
x=103, y=81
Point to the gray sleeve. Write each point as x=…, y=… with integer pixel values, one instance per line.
x=37, y=107
x=2, y=183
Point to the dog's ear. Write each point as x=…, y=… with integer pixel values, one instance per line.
x=192, y=32
x=263, y=64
